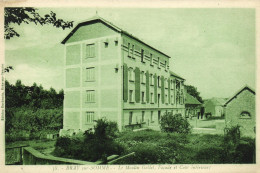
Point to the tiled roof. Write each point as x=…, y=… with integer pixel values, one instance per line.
x=190, y=100
x=218, y=101
x=175, y=75
x=112, y=26
x=238, y=92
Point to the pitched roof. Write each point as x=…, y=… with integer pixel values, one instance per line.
x=97, y=18
x=175, y=75
x=217, y=101
x=238, y=92
x=191, y=100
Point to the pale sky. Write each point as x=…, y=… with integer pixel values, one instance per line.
x=213, y=49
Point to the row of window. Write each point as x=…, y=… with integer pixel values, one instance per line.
x=131, y=98
x=131, y=50
x=90, y=49
x=131, y=75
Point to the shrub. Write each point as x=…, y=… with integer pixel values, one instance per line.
x=93, y=145
x=175, y=123
x=237, y=149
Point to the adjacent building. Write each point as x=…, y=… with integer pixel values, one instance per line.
x=113, y=74
x=192, y=106
x=240, y=110
x=214, y=106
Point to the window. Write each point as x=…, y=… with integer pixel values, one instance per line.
x=152, y=98
x=90, y=50
x=89, y=117
x=166, y=98
x=143, y=114
x=90, y=74
x=133, y=50
x=106, y=44
x=116, y=42
x=151, y=79
x=151, y=116
x=159, y=116
x=159, y=81
x=158, y=62
x=142, y=55
x=90, y=96
x=245, y=115
x=172, y=99
x=130, y=117
x=142, y=77
x=151, y=59
x=128, y=50
x=172, y=84
x=143, y=95
x=165, y=65
x=131, y=74
x=131, y=99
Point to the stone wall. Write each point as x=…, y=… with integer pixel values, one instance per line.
x=245, y=101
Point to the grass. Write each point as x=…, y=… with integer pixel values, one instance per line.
x=172, y=148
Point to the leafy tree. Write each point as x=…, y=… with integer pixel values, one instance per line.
x=19, y=15
x=174, y=123
x=8, y=68
x=193, y=91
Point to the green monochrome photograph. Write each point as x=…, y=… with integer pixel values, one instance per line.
x=129, y=86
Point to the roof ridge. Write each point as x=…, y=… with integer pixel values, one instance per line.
x=238, y=92
x=97, y=17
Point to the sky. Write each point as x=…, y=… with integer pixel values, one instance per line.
x=213, y=49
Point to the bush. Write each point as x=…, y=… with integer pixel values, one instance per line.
x=237, y=149
x=175, y=123
x=152, y=147
x=93, y=146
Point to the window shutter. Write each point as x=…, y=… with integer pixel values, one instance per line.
x=137, y=85
x=147, y=86
x=125, y=83
x=155, y=88
x=162, y=87
x=169, y=91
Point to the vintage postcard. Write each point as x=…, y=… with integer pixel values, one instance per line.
x=153, y=86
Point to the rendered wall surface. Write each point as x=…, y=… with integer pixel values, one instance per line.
x=106, y=83
x=245, y=101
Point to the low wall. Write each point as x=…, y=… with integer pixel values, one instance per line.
x=122, y=160
x=34, y=157
x=13, y=155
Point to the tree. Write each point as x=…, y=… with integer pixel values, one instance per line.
x=193, y=91
x=30, y=15
x=174, y=123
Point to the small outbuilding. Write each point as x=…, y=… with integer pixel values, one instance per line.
x=240, y=110
x=192, y=106
x=215, y=106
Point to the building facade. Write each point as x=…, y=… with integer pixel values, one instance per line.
x=192, y=106
x=113, y=74
x=240, y=110
x=215, y=107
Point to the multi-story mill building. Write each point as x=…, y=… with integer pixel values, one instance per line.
x=111, y=73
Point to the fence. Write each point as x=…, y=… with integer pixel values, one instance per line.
x=13, y=155
x=24, y=155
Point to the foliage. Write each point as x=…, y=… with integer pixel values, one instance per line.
x=31, y=111
x=8, y=68
x=19, y=15
x=174, y=123
x=236, y=149
x=193, y=91
x=151, y=147
x=94, y=145
x=34, y=96
x=23, y=123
